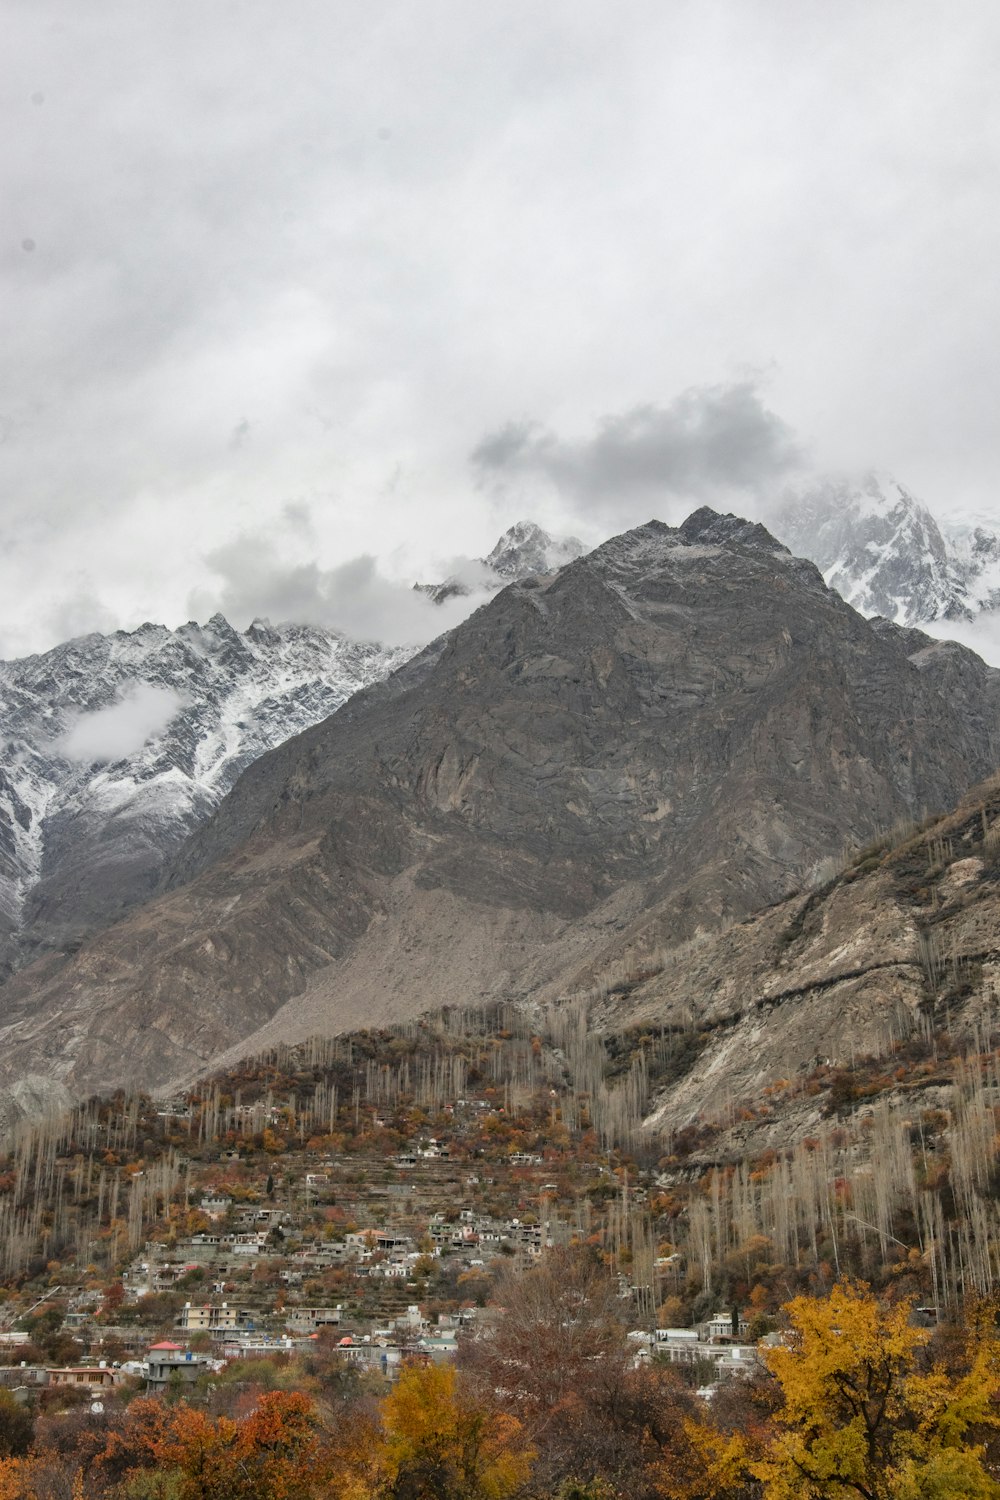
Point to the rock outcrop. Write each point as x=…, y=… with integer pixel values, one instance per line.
x=903, y=941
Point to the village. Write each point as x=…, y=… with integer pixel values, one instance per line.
x=365, y=1199
x=335, y=1230
x=384, y=1257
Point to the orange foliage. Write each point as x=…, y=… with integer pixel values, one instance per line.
x=274, y=1452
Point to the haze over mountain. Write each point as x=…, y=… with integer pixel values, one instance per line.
x=670, y=731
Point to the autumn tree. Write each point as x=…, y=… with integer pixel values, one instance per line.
x=273, y=1453
x=556, y=1348
x=863, y=1413
x=436, y=1444
x=555, y=1330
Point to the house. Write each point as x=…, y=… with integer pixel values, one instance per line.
x=685, y=1346
x=258, y=1345
x=680, y=1345
x=723, y=1325
x=387, y=1241
x=308, y=1319
x=169, y=1364
x=207, y=1318
x=412, y=1321
x=216, y=1205
x=89, y=1377
x=383, y=1358
x=440, y=1347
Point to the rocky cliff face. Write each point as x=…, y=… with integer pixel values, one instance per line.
x=903, y=940
x=668, y=732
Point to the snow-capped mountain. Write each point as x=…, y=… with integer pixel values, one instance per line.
x=523, y=550
x=665, y=735
x=978, y=554
x=526, y=549
x=884, y=552
x=115, y=747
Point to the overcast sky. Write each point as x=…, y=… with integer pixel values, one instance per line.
x=317, y=296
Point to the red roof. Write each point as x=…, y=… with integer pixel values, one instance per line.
x=176, y=1348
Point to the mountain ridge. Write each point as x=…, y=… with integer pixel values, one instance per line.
x=668, y=732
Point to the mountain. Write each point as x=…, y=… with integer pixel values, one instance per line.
x=523, y=550
x=978, y=554
x=88, y=820
x=526, y=549
x=95, y=799
x=668, y=733
x=884, y=552
x=878, y=547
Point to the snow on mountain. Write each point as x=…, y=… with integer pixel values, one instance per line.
x=978, y=554
x=115, y=747
x=527, y=549
x=95, y=794
x=879, y=547
x=523, y=550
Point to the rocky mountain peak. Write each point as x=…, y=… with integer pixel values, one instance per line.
x=525, y=549
x=884, y=552
x=706, y=527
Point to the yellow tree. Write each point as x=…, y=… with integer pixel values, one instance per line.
x=863, y=1415
x=436, y=1446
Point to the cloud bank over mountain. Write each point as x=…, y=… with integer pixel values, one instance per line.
x=355, y=597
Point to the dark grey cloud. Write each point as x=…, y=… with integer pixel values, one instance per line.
x=708, y=441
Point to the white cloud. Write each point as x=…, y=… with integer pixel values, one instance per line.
x=354, y=597
x=981, y=635
x=313, y=257
x=119, y=730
